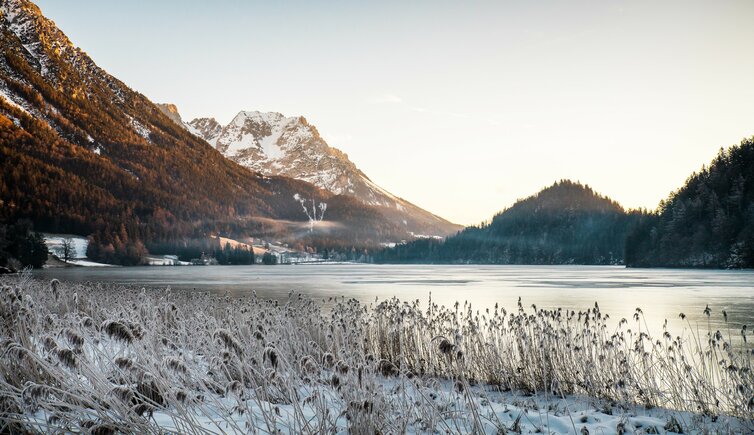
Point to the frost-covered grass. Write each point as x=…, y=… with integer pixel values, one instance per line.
x=99, y=358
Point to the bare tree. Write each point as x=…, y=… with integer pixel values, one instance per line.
x=68, y=250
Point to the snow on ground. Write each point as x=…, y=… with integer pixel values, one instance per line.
x=198, y=133
x=141, y=130
x=499, y=412
x=87, y=263
x=54, y=243
x=242, y=142
x=425, y=236
x=7, y=96
x=165, y=260
x=270, y=147
x=238, y=139
x=387, y=200
x=496, y=413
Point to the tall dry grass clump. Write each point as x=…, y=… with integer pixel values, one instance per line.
x=97, y=358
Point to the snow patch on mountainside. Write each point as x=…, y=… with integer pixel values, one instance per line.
x=263, y=131
x=23, y=25
x=4, y=93
x=140, y=129
x=206, y=128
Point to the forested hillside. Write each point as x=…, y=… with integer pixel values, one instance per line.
x=82, y=153
x=566, y=223
x=709, y=222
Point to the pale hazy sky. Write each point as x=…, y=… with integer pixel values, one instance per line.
x=459, y=107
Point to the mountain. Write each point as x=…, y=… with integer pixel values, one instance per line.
x=566, y=223
x=171, y=111
x=83, y=153
x=709, y=222
x=273, y=144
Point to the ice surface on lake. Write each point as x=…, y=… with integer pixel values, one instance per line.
x=661, y=293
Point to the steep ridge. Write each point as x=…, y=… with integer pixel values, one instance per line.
x=83, y=153
x=273, y=144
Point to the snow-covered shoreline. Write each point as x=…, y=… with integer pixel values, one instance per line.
x=100, y=357
x=501, y=412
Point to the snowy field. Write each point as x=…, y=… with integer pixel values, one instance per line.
x=498, y=412
x=98, y=358
x=165, y=260
x=79, y=245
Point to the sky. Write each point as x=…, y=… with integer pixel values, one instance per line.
x=458, y=107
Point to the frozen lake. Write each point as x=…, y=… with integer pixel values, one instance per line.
x=661, y=293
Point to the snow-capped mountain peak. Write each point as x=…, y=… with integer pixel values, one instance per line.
x=274, y=144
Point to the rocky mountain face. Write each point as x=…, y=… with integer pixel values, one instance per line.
x=171, y=111
x=273, y=144
x=83, y=153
